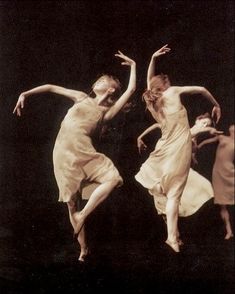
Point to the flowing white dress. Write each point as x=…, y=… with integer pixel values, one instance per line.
x=76, y=162
x=165, y=171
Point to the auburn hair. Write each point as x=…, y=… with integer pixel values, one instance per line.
x=152, y=96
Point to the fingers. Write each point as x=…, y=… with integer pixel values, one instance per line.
x=121, y=55
x=217, y=114
x=163, y=50
x=17, y=109
x=120, y=52
x=165, y=47
x=217, y=117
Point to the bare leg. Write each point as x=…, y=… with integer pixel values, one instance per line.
x=225, y=217
x=172, y=223
x=81, y=237
x=72, y=209
x=83, y=245
x=180, y=242
x=98, y=196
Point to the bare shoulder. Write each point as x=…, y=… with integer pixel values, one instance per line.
x=78, y=95
x=171, y=93
x=172, y=90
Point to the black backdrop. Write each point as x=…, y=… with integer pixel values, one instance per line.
x=69, y=43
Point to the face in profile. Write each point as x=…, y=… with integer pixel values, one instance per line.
x=108, y=89
x=102, y=85
x=203, y=122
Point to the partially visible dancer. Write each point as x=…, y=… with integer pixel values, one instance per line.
x=165, y=172
x=203, y=124
x=223, y=176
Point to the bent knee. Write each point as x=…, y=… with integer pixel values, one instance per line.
x=71, y=204
x=117, y=181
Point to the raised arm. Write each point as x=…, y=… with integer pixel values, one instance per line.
x=140, y=143
x=151, y=68
x=71, y=94
x=216, y=111
x=129, y=91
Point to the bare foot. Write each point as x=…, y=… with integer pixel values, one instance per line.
x=83, y=254
x=228, y=236
x=173, y=245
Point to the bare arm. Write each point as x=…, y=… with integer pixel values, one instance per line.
x=151, y=68
x=208, y=141
x=216, y=111
x=212, y=131
x=71, y=94
x=140, y=143
x=129, y=91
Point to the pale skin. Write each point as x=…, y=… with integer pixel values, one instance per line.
x=171, y=102
x=196, y=130
x=200, y=126
x=224, y=213
x=103, y=89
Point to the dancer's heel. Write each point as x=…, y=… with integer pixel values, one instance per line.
x=83, y=254
x=228, y=236
x=173, y=245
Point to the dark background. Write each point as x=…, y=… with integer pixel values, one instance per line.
x=69, y=43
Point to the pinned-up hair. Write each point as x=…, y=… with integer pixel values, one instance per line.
x=153, y=95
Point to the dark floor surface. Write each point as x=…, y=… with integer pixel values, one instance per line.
x=127, y=252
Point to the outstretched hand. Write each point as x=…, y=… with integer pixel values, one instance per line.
x=127, y=61
x=165, y=49
x=216, y=112
x=19, y=105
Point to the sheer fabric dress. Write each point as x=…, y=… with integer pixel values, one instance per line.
x=165, y=171
x=76, y=162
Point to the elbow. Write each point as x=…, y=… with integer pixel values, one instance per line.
x=48, y=87
x=203, y=90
